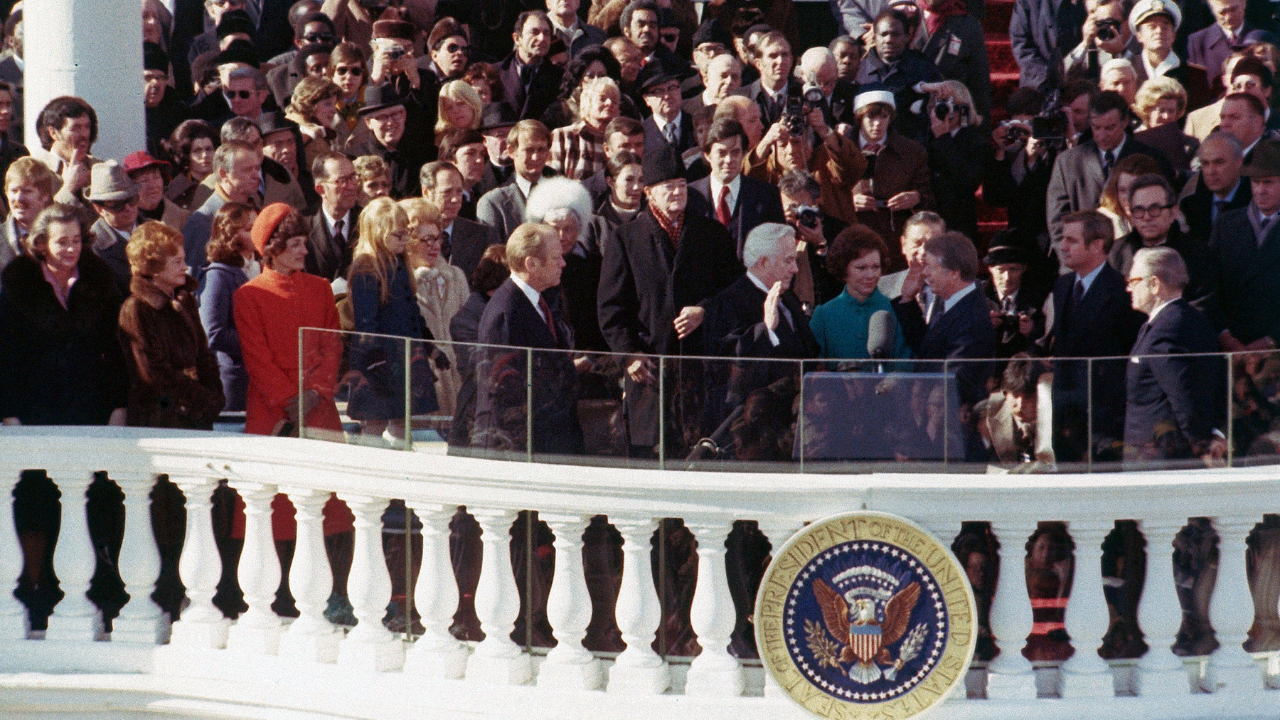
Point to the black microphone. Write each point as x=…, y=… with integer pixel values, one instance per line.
x=710, y=447
x=882, y=333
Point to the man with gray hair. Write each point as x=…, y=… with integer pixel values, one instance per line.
x=1175, y=384
x=758, y=315
x=960, y=326
x=1216, y=188
x=1119, y=75
x=818, y=68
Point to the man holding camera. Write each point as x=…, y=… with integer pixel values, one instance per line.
x=392, y=63
x=801, y=205
x=1106, y=36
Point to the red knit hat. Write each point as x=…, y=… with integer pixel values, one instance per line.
x=266, y=223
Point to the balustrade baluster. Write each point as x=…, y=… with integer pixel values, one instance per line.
x=569, y=665
x=1086, y=674
x=1160, y=672
x=311, y=636
x=714, y=671
x=497, y=660
x=13, y=615
x=638, y=669
x=1231, y=611
x=76, y=617
x=370, y=646
x=258, y=629
x=437, y=653
x=201, y=625
x=140, y=619
x=1010, y=675
x=778, y=530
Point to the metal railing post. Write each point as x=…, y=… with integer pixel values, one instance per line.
x=528, y=404
x=1088, y=439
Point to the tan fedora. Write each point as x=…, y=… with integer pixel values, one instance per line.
x=110, y=182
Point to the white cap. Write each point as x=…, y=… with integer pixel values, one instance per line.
x=873, y=96
x=1144, y=9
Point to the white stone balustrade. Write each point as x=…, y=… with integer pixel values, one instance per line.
x=140, y=620
x=76, y=617
x=1085, y=674
x=440, y=672
x=258, y=629
x=1010, y=675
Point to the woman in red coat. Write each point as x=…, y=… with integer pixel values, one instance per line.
x=269, y=311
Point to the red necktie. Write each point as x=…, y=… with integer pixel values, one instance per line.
x=722, y=207
x=546, y=315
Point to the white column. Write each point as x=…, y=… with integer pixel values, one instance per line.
x=638, y=669
x=370, y=646
x=140, y=619
x=13, y=615
x=257, y=631
x=437, y=653
x=497, y=660
x=714, y=672
x=201, y=625
x=1160, y=672
x=65, y=54
x=74, y=561
x=1086, y=674
x=569, y=665
x=778, y=530
x=1010, y=676
x=1231, y=669
x=311, y=636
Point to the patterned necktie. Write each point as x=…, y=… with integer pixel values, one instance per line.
x=446, y=244
x=1108, y=159
x=722, y=207
x=672, y=133
x=337, y=233
x=546, y=315
x=871, y=149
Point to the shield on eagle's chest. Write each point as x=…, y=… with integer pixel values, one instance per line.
x=865, y=641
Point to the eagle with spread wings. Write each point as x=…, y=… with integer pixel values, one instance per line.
x=859, y=636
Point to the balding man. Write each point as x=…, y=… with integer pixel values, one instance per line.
x=1174, y=407
x=1217, y=187
x=722, y=79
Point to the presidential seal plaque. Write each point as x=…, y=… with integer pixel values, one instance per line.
x=865, y=615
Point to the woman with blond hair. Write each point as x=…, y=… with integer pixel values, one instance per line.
x=577, y=151
x=383, y=303
x=314, y=106
x=958, y=152
x=173, y=377
x=460, y=108
x=441, y=290
x=1160, y=104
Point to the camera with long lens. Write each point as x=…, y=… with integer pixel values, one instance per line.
x=1015, y=131
x=1107, y=30
x=1051, y=126
x=793, y=114
x=808, y=216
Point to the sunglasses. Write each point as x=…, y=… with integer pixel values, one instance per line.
x=452, y=48
x=118, y=205
x=242, y=94
x=321, y=38
x=357, y=71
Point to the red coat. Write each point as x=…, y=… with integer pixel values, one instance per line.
x=269, y=311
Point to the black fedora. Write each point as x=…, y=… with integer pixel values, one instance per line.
x=380, y=97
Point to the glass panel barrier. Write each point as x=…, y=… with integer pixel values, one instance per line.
x=352, y=387
x=1253, y=407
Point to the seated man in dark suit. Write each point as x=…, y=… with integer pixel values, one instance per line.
x=334, y=228
x=1218, y=187
x=1092, y=318
x=462, y=242
x=518, y=316
x=1245, y=248
x=737, y=202
x=960, y=326
x=1175, y=404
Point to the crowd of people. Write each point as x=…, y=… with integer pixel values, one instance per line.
x=662, y=202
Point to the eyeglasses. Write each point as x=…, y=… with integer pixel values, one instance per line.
x=226, y=3
x=318, y=38
x=242, y=94
x=1135, y=280
x=118, y=205
x=344, y=70
x=453, y=48
x=1148, y=211
x=343, y=180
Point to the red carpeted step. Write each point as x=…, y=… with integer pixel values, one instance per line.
x=1000, y=54
x=995, y=16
